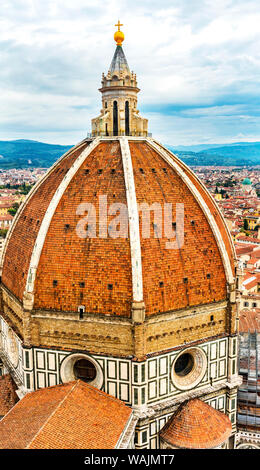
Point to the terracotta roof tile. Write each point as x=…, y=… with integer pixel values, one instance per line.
x=249, y=320
x=99, y=261
x=25, y=231
x=165, y=186
x=196, y=425
x=69, y=416
x=8, y=396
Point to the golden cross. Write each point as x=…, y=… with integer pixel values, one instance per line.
x=118, y=25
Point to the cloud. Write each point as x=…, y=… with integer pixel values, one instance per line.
x=197, y=65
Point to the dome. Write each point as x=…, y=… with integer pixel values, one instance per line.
x=196, y=425
x=118, y=274
x=46, y=256
x=246, y=181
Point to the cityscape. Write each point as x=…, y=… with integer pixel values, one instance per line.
x=130, y=263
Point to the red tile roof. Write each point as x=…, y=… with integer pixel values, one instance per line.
x=251, y=280
x=252, y=261
x=242, y=249
x=96, y=261
x=256, y=253
x=20, y=246
x=244, y=239
x=249, y=320
x=196, y=425
x=6, y=217
x=199, y=242
x=8, y=396
x=69, y=416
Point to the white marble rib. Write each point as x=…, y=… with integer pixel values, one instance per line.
x=134, y=233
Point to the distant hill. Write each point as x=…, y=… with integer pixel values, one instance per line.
x=30, y=153
x=240, y=153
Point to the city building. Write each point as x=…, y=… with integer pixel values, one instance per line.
x=248, y=417
x=118, y=283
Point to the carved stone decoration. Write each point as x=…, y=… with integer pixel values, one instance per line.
x=12, y=347
x=189, y=368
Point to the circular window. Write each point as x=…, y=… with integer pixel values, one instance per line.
x=189, y=368
x=184, y=365
x=83, y=367
x=85, y=370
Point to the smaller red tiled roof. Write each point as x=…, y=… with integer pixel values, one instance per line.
x=242, y=249
x=249, y=320
x=251, y=281
x=252, y=261
x=250, y=274
x=69, y=416
x=248, y=240
x=8, y=396
x=251, y=285
x=196, y=425
x=6, y=217
x=256, y=253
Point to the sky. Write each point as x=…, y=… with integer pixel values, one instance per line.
x=197, y=64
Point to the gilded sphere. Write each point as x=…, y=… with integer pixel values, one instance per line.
x=119, y=37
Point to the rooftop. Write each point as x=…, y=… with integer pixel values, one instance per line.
x=8, y=396
x=119, y=63
x=196, y=425
x=48, y=221
x=246, y=181
x=249, y=320
x=74, y=415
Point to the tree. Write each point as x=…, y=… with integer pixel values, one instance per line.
x=3, y=232
x=25, y=188
x=14, y=208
